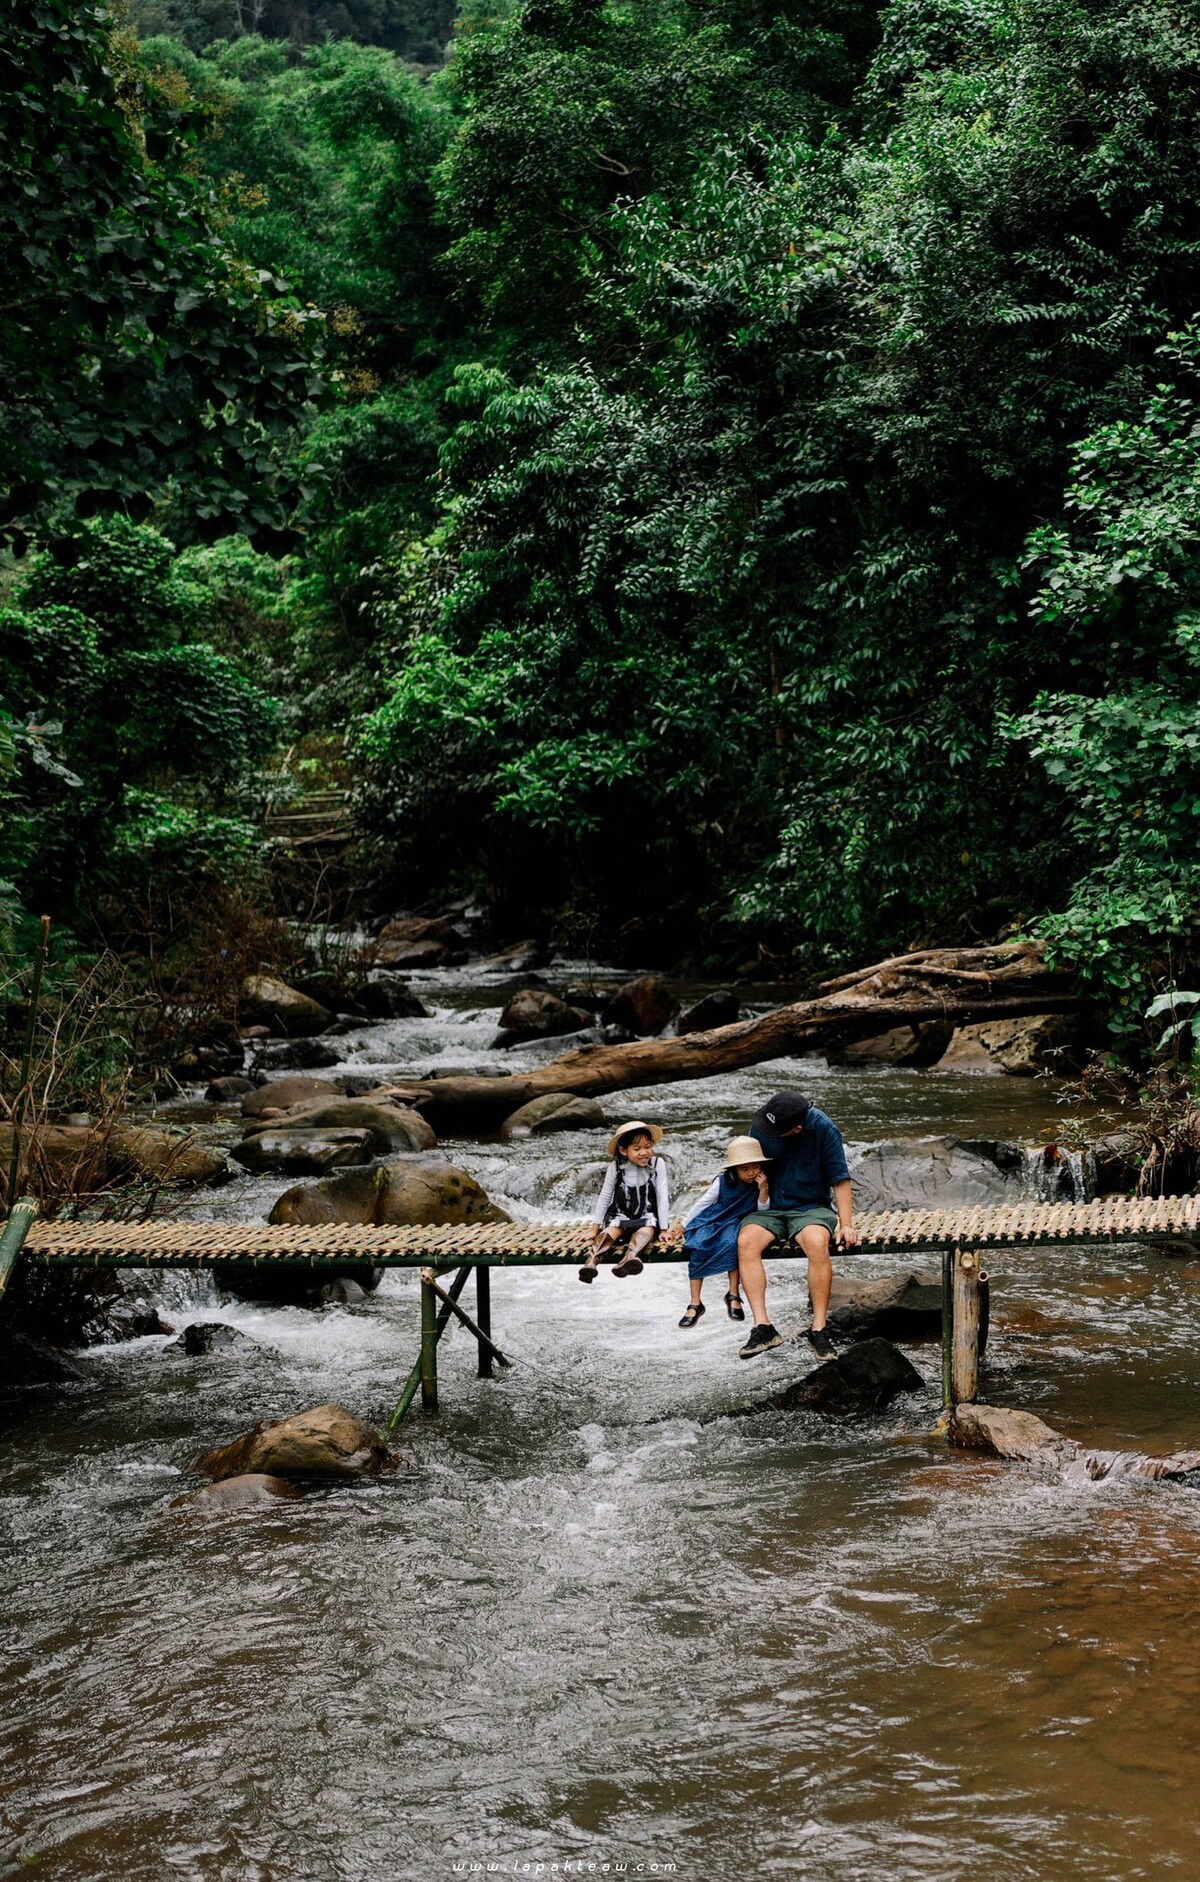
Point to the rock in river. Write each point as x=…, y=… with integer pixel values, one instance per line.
x=534, y=1013
x=207, y=1336
x=385, y=996
x=252, y=1490
x=327, y=1441
x=719, y=1008
x=295, y=1055
x=557, y=1111
x=399, y=1194
x=299, y=1152
x=164, y=1156
x=270, y=1002
x=642, y=1006
x=865, y=1378
x=282, y=1094
x=389, y=1126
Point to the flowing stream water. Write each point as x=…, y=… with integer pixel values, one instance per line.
x=615, y=1610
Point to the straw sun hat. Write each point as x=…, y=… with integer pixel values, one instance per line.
x=653, y=1132
x=745, y=1150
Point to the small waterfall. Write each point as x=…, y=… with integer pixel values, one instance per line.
x=1053, y=1173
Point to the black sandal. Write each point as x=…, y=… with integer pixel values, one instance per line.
x=692, y=1314
x=733, y=1306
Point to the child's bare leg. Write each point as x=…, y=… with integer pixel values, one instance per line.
x=695, y=1286
x=734, y=1276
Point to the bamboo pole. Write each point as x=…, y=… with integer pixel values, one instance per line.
x=429, y=1340
x=35, y=990
x=948, y=1259
x=483, y=1310
x=429, y=1279
x=12, y=1239
x=413, y=1381
x=964, y=1383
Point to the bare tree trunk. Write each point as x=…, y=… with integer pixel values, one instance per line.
x=960, y=985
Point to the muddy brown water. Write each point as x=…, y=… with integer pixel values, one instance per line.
x=597, y=1620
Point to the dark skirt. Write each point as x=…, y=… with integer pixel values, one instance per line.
x=711, y=1237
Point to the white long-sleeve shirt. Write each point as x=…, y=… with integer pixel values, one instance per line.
x=710, y=1195
x=635, y=1179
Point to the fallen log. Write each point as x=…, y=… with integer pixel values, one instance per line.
x=964, y=985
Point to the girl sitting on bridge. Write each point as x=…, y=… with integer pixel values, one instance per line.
x=711, y=1228
x=633, y=1205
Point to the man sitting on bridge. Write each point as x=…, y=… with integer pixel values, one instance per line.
x=808, y=1174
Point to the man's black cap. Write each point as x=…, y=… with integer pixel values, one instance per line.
x=779, y=1114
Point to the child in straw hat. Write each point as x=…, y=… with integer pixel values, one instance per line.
x=633, y=1205
x=711, y=1228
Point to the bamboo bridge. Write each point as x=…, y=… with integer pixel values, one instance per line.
x=958, y=1235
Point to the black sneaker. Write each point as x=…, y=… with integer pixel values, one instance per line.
x=761, y=1340
x=818, y=1338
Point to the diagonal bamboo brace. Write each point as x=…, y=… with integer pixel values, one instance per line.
x=429, y=1279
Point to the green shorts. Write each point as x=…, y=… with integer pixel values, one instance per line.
x=786, y=1224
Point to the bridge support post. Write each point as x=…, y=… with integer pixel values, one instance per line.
x=965, y=1330
x=483, y=1314
x=12, y=1239
x=949, y=1256
x=429, y=1340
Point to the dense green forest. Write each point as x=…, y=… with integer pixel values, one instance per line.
x=728, y=469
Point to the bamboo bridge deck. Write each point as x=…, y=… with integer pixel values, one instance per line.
x=183, y=1244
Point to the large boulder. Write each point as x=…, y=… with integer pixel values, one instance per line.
x=893, y=1306
x=719, y=1008
x=557, y=1111
x=643, y=1006
x=301, y=1152
x=283, y=1094
x=913, y=1046
x=295, y=1055
x=935, y=1173
x=253, y=1490
x=385, y=996
x=1023, y=1047
x=865, y=1378
x=410, y=1195
x=327, y=1441
x=418, y=941
x=230, y=1090
x=73, y=1154
x=389, y=1126
x=535, y=1013
x=163, y=1156
x=269, y=1002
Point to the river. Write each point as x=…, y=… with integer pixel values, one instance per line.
x=596, y=1620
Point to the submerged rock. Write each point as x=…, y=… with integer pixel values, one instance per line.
x=270, y=1002
x=208, y=1336
x=327, y=1441
x=403, y=1195
x=26, y=1364
x=252, y=1490
x=865, y=1378
x=557, y=1111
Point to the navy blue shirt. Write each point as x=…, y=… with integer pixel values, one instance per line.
x=805, y=1168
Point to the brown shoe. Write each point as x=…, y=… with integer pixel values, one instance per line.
x=631, y=1264
x=589, y=1268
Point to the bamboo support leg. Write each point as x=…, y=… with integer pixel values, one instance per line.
x=483, y=1312
x=964, y=1381
x=413, y=1382
x=428, y=1278
x=429, y=1340
x=12, y=1239
x=949, y=1257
